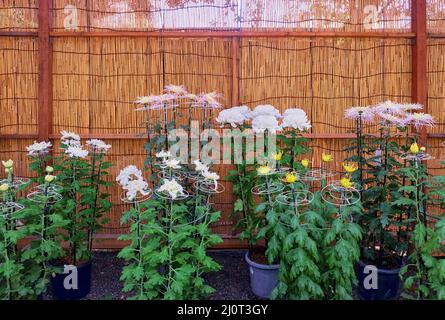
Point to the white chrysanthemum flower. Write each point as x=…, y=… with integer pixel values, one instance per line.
x=76, y=152
x=69, y=138
x=172, y=187
x=129, y=173
x=163, y=154
x=199, y=166
x=262, y=123
x=265, y=110
x=296, y=118
x=235, y=116
x=135, y=187
x=154, y=102
x=212, y=176
x=39, y=148
x=172, y=163
x=98, y=145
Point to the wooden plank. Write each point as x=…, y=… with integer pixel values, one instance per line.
x=218, y=34
x=45, y=71
x=235, y=71
x=420, y=58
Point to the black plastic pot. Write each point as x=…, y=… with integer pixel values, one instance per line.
x=263, y=277
x=388, y=284
x=62, y=284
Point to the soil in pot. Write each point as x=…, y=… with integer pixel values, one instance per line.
x=263, y=276
x=72, y=283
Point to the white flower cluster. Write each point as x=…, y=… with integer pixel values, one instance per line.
x=72, y=146
x=70, y=139
x=235, y=116
x=98, y=146
x=204, y=170
x=131, y=180
x=172, y=187
x=265, y=117
x=296, y=118
x=39, y=148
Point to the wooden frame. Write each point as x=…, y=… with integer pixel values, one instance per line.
x=44, y=36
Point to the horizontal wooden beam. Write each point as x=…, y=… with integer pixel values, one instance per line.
x=18, y=34
x=132, y=136
x=219, y=34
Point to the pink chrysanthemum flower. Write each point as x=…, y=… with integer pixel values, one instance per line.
x=394, y=120
x=209, y=100
x=411, y=107
x=366, y=113
x=176, y=90
x=388, y=107
x=419, y=120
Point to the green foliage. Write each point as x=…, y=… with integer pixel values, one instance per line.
x=166, y=257
x=84, y=201
x=317, y=249
x=424, y=275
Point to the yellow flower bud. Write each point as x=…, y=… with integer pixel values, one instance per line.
x=49, y=178
x=346, y=183
x=263, y=170
x=350, y=167
x=327, y=157
x=4, y=187
x=414, y=148
x=49, y=169
x=291, y=177
x=305, y=163
x=422, y=149
x=8, y=164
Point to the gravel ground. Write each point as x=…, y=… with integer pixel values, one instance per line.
x=231, y=283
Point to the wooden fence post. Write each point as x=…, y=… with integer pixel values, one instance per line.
x=45, y=85
x=420, y=58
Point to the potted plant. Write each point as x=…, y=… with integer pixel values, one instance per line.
x=386, y=241
x=167, y=251
x=14, y=284
x=424, y=274
x=83, y=204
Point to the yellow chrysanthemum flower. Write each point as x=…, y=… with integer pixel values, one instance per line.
x=305, y=163
x=49, y=169
x=8, y=164
x=414, y=148
x=278, y=156
x=291, y=177
x=350, y=167
x=4, y=187
x=346, y=183
x=264, y=170
x=327, y=157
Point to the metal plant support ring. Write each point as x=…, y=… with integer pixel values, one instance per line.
x=340, y=196
x=138, y=199
x=295, y=198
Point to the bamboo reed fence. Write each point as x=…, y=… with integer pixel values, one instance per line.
x=77, y=65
